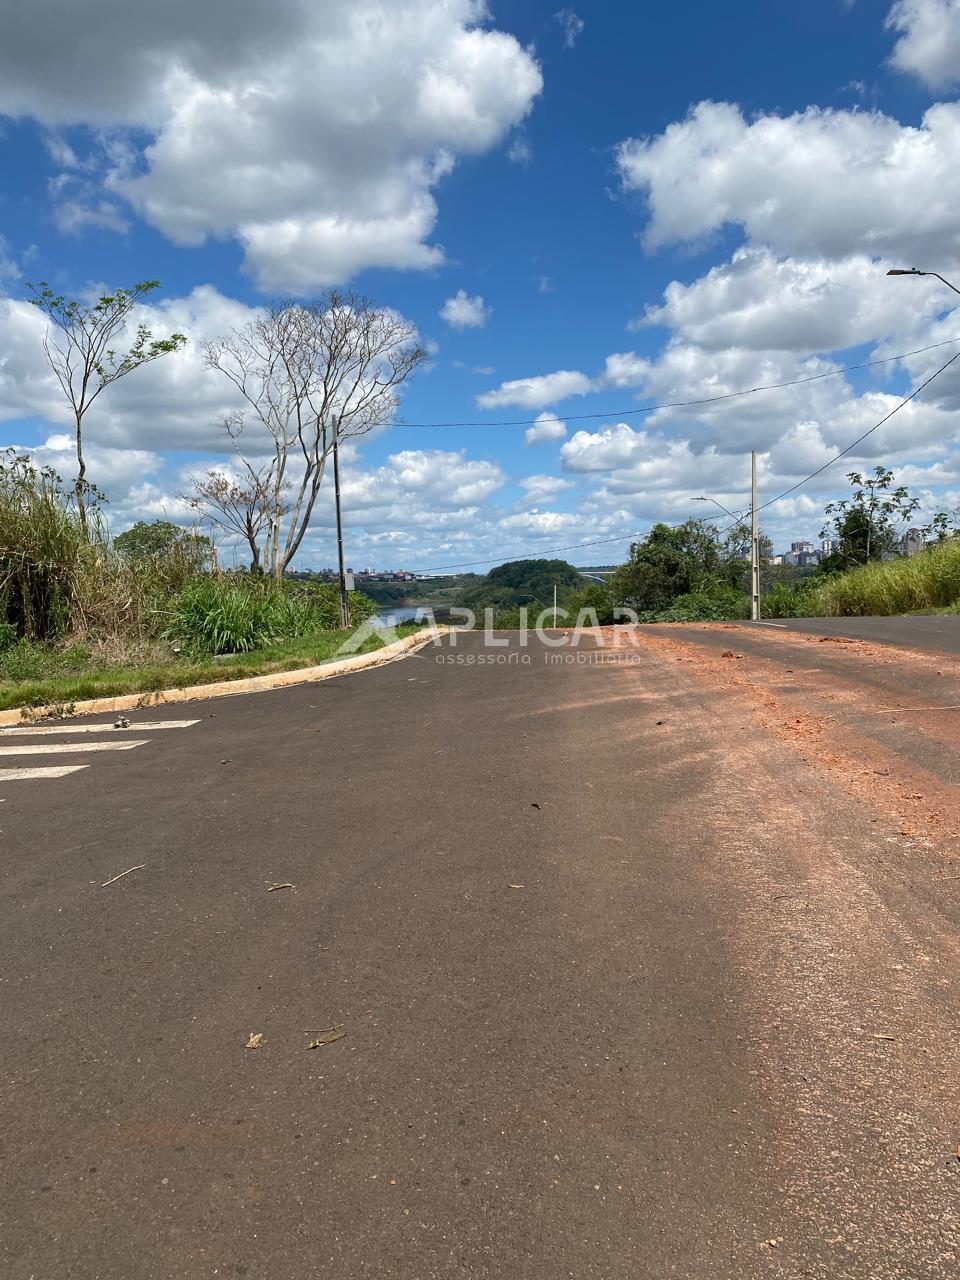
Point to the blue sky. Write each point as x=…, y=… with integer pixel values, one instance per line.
x=658, y=201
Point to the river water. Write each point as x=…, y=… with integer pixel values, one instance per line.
x=393, y=615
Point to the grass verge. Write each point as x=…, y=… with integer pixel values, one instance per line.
x=930, y=580
x=85, y=677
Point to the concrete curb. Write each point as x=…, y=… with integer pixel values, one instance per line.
x=224, y=688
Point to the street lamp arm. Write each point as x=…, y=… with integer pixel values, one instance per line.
x=736, y=515
x=914, y=271
x=945, y=281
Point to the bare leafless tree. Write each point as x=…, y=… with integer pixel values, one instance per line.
x=240, y=506
x=305, y=370
x=79, y=349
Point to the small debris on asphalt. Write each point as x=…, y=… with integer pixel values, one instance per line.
x=121, y=722
x=139, y=867
x=330, y=1036
x=255, y=1041
x=285, y=885
x=534, y=805
x=727, y=653
x=518, y=886
x=877, y=1035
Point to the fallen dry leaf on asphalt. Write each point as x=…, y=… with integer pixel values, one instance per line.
x=255, y=1041
x=285, y=885
x=330, y=1036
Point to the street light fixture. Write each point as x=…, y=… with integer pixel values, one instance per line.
x=754, y=536
x=737, y=515
x=914, y=271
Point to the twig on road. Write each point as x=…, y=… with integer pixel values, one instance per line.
x=139, y=867
x=882, y=710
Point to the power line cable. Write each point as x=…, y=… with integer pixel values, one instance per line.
x=853, y=444
x=629, y=537
x=689, y=404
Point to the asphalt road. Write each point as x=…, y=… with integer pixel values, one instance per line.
x=935, y=633
x=629, y=989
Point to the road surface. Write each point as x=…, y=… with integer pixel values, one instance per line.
x=939, y=633
x=635, y=981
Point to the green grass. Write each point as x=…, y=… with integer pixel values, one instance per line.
x=31, y=676
x=930, y=580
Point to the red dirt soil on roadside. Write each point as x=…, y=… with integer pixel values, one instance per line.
x=923, y=805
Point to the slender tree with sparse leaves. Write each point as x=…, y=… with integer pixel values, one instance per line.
x=305, y=371
x=80, y=350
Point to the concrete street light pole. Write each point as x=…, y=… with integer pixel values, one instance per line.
x=754, y=538
x=754, y=543
x=344, y=598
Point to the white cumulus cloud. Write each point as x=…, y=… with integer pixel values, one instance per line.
x=547, y=427
x=534, y=393
x=763, y=302
x=819, y=183
x=543, y=488
x=463, y=312
x=929, y=40
x=312, y=133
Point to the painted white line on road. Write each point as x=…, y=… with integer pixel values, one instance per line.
x=59, y=771
x=28, y=731
x=59, y=748
x=782, y=625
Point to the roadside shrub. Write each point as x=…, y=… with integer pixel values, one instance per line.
x=596, y=595
x=802, y=600
x=236, y=613
x=218, y=616
x=315, y=606
x=722, y=605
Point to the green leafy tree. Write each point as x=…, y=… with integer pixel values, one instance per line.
x=522, y=582
x=942, y=527
x=80, y=350
x=670, y=563
x=160, y=539
x=736, y=542
x=867, y=525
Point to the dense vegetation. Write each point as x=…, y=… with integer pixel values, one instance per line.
x=423, y=590
x=518, y=583
x=75, y=603
x=694, y=572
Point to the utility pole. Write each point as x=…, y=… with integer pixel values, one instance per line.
x=554, y=605
x=344, y=598
x=754, y=543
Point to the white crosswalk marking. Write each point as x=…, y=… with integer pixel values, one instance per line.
x=71, y=739
x=31, y=731
x=58, y=771
x=60, y=748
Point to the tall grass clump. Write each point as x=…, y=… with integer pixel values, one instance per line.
x=216, y=616
x=929, y=580
x=45, y=561
x=237, y=613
